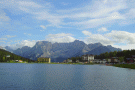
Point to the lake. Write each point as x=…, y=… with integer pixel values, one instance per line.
x=20, y=76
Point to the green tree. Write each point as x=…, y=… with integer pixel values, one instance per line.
x=121, y=59
x=4, y=58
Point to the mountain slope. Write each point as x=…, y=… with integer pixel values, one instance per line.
x=99, y=50
x=4, y=53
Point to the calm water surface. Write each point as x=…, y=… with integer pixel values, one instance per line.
x=19, y=76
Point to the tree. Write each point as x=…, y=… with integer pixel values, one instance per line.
x=121, y=59
x=4, y=58
x=73, y=59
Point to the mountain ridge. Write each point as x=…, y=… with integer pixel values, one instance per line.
x=61, y=51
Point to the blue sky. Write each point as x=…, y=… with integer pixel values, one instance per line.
x=110, y=22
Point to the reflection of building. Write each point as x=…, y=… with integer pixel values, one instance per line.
x=44, y=59
x=88, y=58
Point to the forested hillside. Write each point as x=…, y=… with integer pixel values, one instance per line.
x=4, y=56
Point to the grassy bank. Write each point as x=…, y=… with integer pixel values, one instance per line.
x=132, y=66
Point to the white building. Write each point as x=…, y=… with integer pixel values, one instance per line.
x=88, y=58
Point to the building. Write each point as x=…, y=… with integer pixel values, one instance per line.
x=88, y=58
x=100, y=61
x=20, y=61
x=131, y=60
x=44, y=59
x=69, y=61
x=113, y=60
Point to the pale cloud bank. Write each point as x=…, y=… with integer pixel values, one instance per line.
x=29, y=43
x=9, y=36
x=93, y=14
x=42, y=26
x=103, y=29
x=60, y=38
x=112, y=38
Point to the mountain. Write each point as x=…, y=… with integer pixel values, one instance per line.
x=22, y=51
x=99, y=50
x=9, y=49
x=61, y=51
x=113, y=49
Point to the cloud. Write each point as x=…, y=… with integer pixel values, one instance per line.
x=29, y=43
x=27, y=34
x=95, y=38
x=63, y=3
x=125, y=47
x=92, y=23
x=91, y=15
x=9, y=36
x=103, y=29
x=3, y=38
x=3, y=41
x=113, y=38
x=122, y=37
x=86, y=33
x=3, y=17
x=42, y=26
x=60, y=38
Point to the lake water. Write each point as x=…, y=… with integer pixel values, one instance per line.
x=20, y=76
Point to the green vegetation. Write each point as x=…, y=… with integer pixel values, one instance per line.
x=74, y=59
x=121, y=54
x=4, y=58
x=132, y=66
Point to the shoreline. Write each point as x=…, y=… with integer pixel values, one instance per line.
x=130, y=66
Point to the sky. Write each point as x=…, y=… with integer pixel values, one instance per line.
x=110, y=22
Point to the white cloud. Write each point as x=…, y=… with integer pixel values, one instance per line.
x=3, y=41
x=103, y=29
x=60, y=38
x=3, y=38
x=27, y=34
x=122, y=37
x=95, y=38
x=93, y=14
x=28, y=4
x=3, y=17
x=86, y=33
x=114, y=38
x=9, y=36
x=125, y=47
x=42, y=26
x=29, y=43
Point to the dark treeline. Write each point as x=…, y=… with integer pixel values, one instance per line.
x=4, y=58
x=122, y=55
